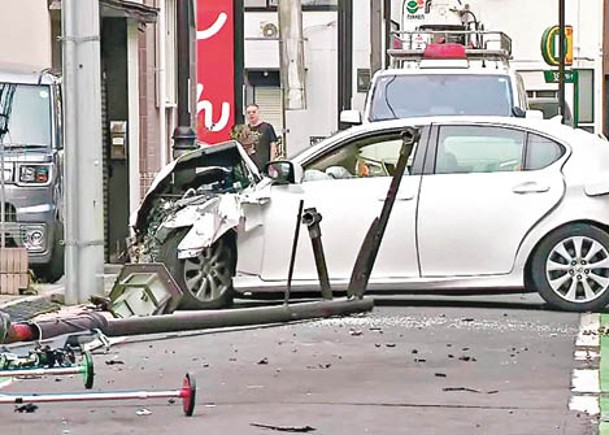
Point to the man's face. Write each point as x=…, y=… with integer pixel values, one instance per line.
x=252, y=115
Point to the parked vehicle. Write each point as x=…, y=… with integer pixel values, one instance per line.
x=445, y=72
x=488, y=203
x=33, y=161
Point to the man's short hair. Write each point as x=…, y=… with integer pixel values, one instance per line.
x=252, y=105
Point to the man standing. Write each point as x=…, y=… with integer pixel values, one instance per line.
x=265, y=147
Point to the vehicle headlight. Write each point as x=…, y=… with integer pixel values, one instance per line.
x=34, y=174
x=34, y=238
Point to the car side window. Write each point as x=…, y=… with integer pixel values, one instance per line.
x=468, y=149
x=541, y=152
x=371, y=156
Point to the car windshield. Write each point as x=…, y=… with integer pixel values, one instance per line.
x=404, y=96
x=29, y=117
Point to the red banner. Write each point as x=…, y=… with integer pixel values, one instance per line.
x=215, y=70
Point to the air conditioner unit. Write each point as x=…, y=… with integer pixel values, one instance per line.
x=269, y=30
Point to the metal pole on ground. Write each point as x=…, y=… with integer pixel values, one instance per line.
x=83, y=151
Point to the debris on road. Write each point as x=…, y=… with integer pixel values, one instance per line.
x=143, y=412
x=293, y=429
x=112, y=362
x=28, y=408
x=263, y=361
x=355, y=332
x=469, y=390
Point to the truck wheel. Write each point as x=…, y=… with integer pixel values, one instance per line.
x=207, y=280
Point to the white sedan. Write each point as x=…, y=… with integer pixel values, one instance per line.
x=486, y=204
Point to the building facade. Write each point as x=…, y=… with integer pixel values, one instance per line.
x=138, y=60
x=523, y=20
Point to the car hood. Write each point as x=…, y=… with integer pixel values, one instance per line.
x=213, y=170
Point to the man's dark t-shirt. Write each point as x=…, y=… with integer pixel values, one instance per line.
x=262, y=146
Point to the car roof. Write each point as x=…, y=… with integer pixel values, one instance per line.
x=24, y=74
x=547, y=127
x=444, y=71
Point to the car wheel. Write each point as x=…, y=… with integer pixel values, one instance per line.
x=54, y=269
x=207, y=280
x=570, y=268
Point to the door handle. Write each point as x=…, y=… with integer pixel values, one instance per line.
x=530, y=187
x=404, y=197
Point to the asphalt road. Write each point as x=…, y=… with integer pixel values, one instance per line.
x=482, y=365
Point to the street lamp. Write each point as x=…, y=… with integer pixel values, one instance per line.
x=183, y=136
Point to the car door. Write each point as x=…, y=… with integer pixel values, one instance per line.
x=484, y=188
x=347, y=184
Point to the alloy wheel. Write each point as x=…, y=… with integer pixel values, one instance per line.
x=208, y=276
x=577, y=269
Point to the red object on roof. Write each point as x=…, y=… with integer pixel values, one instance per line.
x=444, y=51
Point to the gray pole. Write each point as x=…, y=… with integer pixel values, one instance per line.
x=184, y=136
x=83, y=150
x=561, y=64
x=291, y=55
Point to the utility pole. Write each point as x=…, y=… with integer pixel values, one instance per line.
x=84, y=218
x=239, y=25
x=183, y=135
x=345, y=56
x=561, y=64
x=291, y=54
x=376, y=36
x=605, y=113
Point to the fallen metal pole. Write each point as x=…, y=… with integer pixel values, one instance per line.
x=85, y=369
x=185, y=321
x=311, y=218
x=187, y=393
x=288, y=288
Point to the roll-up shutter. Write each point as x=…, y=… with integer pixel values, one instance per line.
x=271, y=107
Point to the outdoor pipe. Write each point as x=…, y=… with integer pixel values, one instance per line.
x=184, y=321
x=311, y=218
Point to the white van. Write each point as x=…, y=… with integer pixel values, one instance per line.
x=445, y=73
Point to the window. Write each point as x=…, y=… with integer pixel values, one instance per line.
x=366, y=157
x=403, y=96
x=466, y=149
x=29, y=124
x=306, y=4
x=541, y=152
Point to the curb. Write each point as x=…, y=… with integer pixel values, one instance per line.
x=603, y=428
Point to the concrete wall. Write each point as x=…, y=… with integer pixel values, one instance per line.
x=320, y=34
x=25, y=29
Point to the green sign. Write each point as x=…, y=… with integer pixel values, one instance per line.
x=553, y=76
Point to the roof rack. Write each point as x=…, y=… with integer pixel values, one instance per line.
x=479, y=44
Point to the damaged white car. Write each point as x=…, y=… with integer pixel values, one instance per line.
x=489, y=204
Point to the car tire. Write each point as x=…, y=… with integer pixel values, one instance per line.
x=207, y=280
x=54, y=269
x=570, y=268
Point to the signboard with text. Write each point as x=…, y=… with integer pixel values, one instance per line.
x=553, y=76
x=215, y=70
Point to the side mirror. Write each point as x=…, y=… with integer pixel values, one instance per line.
x=283, y=172
x=350, y=117
x=534, y=114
